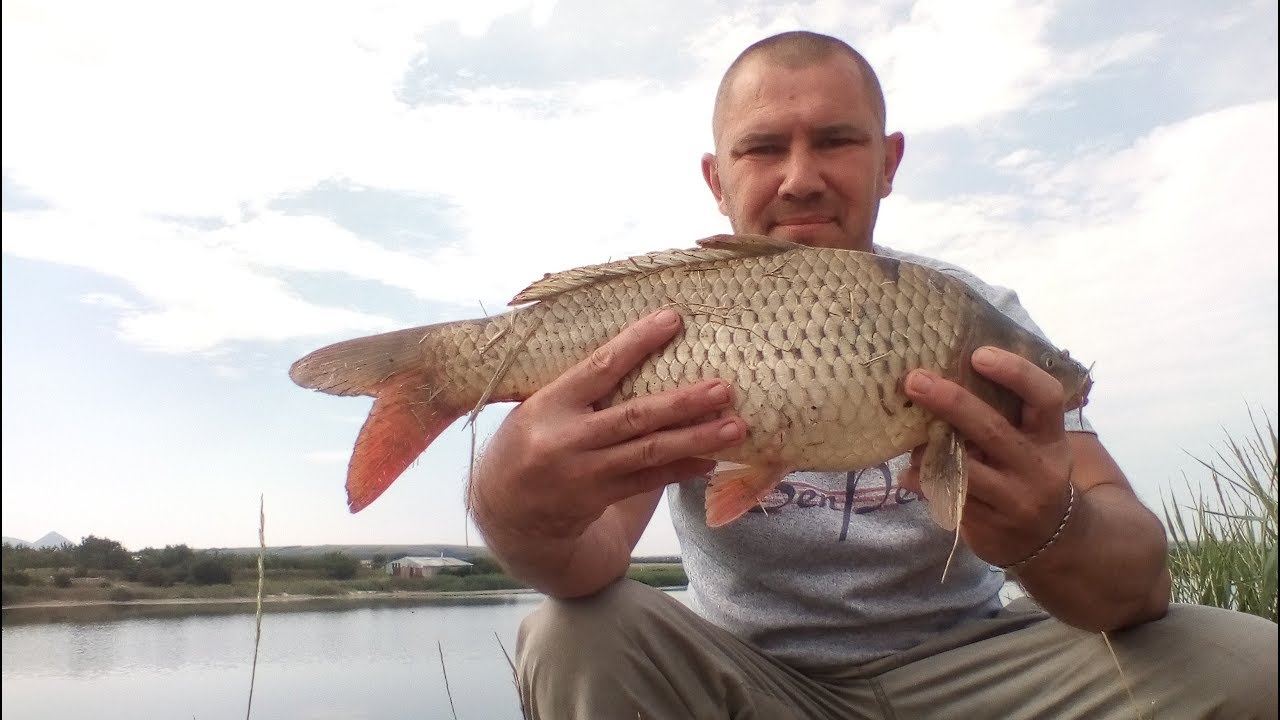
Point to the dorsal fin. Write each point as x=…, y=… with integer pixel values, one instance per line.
x=716, y=247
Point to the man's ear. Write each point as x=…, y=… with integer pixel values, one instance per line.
x=894, y=146
x=712, y=175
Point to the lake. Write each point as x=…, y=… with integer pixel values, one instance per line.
x=318, y=660
x=335, y=661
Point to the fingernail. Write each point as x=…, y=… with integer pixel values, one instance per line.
x=718, y=393
x=984, y=356
x=667, y=317
x=919, y=382
x=731, y=430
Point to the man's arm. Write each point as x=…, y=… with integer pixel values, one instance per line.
x=1108, y=567
x=563, y=491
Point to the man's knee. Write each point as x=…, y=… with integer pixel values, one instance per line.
x=583, y=630
x=1226, y=655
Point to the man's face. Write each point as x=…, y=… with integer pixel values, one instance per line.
x=801, y=154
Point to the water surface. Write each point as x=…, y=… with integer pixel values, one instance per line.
x=328, y=662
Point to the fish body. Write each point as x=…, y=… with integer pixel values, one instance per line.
x=815, y=344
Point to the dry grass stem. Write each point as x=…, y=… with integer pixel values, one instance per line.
x=262, y=575
x=449, y=693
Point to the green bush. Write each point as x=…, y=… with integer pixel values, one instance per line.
x=658, y=574
x=121, y=594
x=1223, y=549
x=20, y=578
x=491, y=581
x=61, y=579
x=380, y=584
x=339, y=565
x=319, y=588
x=211, y=570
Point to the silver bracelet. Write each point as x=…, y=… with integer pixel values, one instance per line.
x=1071, y=503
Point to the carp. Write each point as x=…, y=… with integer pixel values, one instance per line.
x=815, y=344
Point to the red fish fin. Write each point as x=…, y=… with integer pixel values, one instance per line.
x=409, y=412
x=402, y=423
x=736, y=490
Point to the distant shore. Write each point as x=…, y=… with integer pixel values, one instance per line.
x=353, y=596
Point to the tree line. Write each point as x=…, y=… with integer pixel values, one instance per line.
x=161, y=567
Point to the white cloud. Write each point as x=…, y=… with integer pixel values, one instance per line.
x=149, y=124
x=1157, y=261
x=200, y=294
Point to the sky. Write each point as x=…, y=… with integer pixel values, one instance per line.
x=197, y=194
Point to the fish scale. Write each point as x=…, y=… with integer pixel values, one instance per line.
x=814, y=342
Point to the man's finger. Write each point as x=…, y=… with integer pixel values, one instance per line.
x=660, y=448
x=974, y=419
x=1042, y=395
x=643, y=415
x=600, y=372
x=661, y=476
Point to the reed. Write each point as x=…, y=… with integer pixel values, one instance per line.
x=1223, y=534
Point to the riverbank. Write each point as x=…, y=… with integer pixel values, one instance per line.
x=355, y=595
x=91, y=611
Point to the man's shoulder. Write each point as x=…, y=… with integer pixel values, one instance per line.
x=1004, y=299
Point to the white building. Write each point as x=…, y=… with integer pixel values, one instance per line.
x=410, y=566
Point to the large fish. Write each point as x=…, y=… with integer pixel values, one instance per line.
x=814, y=342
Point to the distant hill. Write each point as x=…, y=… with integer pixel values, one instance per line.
x=50, y=540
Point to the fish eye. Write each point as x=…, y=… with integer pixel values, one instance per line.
x=1048, y=361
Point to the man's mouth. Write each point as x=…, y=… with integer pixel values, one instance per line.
x=804, y=220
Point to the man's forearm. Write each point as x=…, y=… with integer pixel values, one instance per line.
x=1110, y=567
x=573, y=566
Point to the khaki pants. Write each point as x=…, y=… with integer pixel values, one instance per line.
x=634, y=652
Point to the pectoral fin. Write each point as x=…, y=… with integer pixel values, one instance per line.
x=942, y=475
x=944, y=481
x=733, y=491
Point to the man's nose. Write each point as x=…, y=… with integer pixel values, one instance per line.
x=803, y=179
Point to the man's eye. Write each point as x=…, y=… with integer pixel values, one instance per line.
x=835, y=142
x=764, y=149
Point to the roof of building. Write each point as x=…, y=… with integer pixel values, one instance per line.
x=431, y=561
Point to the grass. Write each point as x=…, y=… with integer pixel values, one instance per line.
x=1223, y=549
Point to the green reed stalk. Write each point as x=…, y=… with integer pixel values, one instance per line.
x=1223, y=549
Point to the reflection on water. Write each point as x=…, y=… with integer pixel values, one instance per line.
x=123, y=611
x=317, y=660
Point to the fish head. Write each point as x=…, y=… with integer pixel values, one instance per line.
x=998, y=330
x=1076, y=379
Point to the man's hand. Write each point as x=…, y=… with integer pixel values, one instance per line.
x=1108, y=568
x=1018, y=476
x=557, y=464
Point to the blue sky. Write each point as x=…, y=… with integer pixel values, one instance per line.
x=196, y=194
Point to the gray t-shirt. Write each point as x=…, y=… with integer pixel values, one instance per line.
x=839, y=568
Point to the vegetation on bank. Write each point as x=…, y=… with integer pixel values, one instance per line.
x=1223, y=553
x=1223, y=549
x=101, y=569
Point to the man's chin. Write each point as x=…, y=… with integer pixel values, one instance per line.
x=818, y=235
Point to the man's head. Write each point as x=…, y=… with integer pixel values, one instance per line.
x=801, y=151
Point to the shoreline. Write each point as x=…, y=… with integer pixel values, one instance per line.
x=273, y=598
x=283, y=601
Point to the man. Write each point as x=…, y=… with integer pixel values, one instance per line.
x=834, y=609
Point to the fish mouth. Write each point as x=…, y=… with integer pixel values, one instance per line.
x=1080, y=397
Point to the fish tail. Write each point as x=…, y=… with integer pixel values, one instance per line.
x=410, y=407
x=732, y=492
